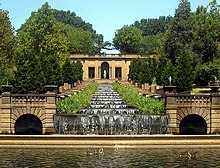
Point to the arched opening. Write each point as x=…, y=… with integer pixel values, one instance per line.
x=105, y=70
x=193, y=125
x=28, y=124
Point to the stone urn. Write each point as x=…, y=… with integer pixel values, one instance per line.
x=51, y=88
x=214, y=88
x=170, y=89
x=7, y=88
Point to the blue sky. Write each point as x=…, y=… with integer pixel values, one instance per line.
x=106, y=16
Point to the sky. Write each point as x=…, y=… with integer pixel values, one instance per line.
x=106, y=16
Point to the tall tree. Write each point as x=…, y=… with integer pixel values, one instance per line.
x=206, y=33
x=128, y=40
x=80, y=41
x=7, y=47
x=74, y=21
x=7, y=39
x=41, y=45
x=179, y=37
x=185, y=73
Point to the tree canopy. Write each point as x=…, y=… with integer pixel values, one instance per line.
x=189, y=39
x=7, y=47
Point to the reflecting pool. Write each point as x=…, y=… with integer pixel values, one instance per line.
x=111, y=158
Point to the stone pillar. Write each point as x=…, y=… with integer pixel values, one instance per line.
x=5, y=113
x=171, y=109
x=96, y=72
x=153, y=89
x=113, y=72
x=50, y=109
x=214, y=111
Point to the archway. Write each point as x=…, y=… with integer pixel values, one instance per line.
x=28, y=124
x=193, y=125
x=105, y=70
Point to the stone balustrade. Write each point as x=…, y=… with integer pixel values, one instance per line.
x=193, y=100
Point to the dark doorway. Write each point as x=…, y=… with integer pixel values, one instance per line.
x=28, y=124
x=105, y=70
x=118, y=72
x=91, y=72
x=193, y=125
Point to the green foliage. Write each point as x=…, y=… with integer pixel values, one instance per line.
x=185, y=73
x=73, y=104
x=168, y=70
x=80, y=41
x=142, y=70
x=70, y=18
x=179, y=37
x=7, y=47
x=128, y=40
x=68, y=71
x=144, y=104
x=83, y=38
x=7, y=39
x=161, y=64
x=151, y=45
x=41, y=48
x=6, y=75
x=207, y=72
x=152, y=27
x=206, y=33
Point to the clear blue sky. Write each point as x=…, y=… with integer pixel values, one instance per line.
x=106, y=16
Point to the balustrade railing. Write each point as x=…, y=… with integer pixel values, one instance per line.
x=28, y=98
x=193, y=100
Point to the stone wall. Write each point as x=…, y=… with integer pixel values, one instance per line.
x=178, y=106
x=13, y=106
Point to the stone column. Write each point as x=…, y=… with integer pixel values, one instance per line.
x=214, y=111
x=50, y=109
x=171, y=109
x=5, y=113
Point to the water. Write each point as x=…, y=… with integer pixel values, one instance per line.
x=108, y=114
x=112, y=158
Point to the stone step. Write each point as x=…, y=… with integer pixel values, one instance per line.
x=124, y=111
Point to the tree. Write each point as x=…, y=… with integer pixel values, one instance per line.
x=207, y=72
x=161, y=64
x=68, y=73
x=79, y=70
x=179, y=37
x=7, y=39
x=142, y=70
x=151, y=27
x=41, y=48
x=206, y=33
x=185, y=74
x=84, y=29
x=80, y=41
x=168, y=71
x=7, y=47
x=128, y=40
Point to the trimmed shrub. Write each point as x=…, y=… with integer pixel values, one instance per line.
x=146, y=105
x=74, y=103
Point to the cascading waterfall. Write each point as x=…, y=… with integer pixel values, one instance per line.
x=108, y=114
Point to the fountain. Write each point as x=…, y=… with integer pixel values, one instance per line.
x=108, y=114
